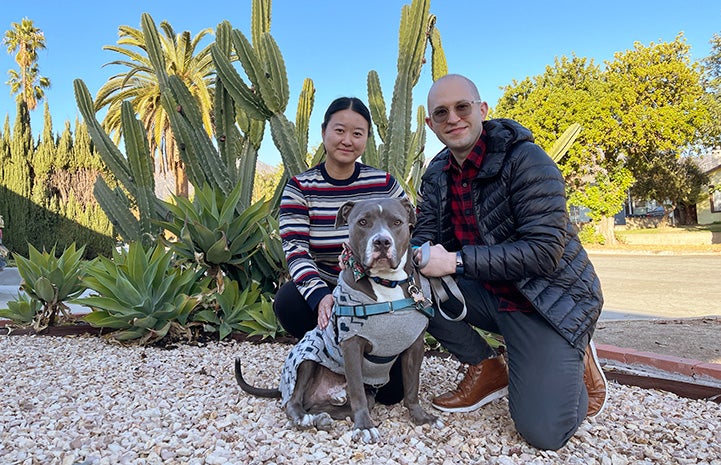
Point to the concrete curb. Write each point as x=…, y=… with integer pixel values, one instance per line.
x=689, y=378
x=675, y=365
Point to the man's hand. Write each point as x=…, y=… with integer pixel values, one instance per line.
x=325, y=307
x=441, y=262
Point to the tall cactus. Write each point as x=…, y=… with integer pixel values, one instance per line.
x=267, y=95
x=240, y=113
x=401, y=150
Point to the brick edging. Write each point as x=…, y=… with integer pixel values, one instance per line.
x=667, y=363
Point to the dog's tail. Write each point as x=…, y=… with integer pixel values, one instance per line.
x=258, y=392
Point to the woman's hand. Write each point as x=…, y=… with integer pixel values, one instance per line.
x=325, y=307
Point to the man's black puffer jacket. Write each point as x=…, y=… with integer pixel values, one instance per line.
x=520, y=206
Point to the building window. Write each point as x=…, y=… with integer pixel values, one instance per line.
x=715, y=200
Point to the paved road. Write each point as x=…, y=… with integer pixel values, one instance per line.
x=635, y=286
x=659, y=286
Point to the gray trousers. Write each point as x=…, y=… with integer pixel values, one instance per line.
x=547, y=397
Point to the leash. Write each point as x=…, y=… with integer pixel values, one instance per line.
x=435, y=288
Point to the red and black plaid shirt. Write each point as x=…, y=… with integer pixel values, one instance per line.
x=466, y=228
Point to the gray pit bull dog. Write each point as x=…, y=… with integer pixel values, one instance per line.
x=379, y=315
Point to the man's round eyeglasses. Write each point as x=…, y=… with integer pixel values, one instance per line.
x=461, y=109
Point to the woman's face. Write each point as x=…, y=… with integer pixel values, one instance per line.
x=345, y=137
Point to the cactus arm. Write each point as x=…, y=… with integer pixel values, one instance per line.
x=259, y=19
x=182, y=134
x=200, y=149
x=377, y=104
x=247, y=168
x=276, y=75
x=371, y=156
x=255, y=71
x=412, y=41
x=439, y=65
x=283, y=133
x=136, y=147
x=302, y=115
x=412, y=44
x=417, y=142
x=154, y=48
x=561, y=146
x=318, y=156
x=109, y=152
x=117, y=206
x=227, y=134
x=251, y=103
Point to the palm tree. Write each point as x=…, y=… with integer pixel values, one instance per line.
x=140, y=85
x=24, y=40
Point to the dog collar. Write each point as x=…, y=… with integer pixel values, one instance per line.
x=348, y=259
x=389, y=282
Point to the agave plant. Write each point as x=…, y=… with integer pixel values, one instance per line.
x=211, y=232
x=141, y=294
x=22, y=311
x=232, y=310
x=51, y=281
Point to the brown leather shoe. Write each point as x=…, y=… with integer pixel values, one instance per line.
x=483, y=383
x=595, y=381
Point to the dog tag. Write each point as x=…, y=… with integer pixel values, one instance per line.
x=423, y=304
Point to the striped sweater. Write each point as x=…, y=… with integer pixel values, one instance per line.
x=308, y=209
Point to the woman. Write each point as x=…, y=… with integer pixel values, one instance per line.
x=308, y=208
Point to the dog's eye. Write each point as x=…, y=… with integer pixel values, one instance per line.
x=362, y=222
x=397, y=222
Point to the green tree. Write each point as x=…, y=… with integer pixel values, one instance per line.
x=42, y=162
x=639, y=114
x=660, y=111
x=572, y=92
x=24, y=40
x=140, y=85
x=712, y=98
x=17, y=182
x=4, y=153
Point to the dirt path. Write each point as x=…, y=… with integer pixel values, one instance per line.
x=695, y=338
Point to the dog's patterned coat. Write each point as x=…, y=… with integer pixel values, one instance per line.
x=389, y=333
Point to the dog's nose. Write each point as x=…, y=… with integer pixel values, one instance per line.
x=382, y=242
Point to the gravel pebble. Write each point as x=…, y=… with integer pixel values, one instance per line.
x=88, y=401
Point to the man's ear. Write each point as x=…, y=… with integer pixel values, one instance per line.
x=429, y=123
x=411, y=211
x=484, y=110
x=341, y=218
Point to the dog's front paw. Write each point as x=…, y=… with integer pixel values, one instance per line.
x=367, y=436
x=320, y=421
x=421, y=417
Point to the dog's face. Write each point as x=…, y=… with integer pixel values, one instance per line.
x=379, y=231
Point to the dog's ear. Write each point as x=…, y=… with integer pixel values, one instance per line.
x=341, y=218
x=411, y=211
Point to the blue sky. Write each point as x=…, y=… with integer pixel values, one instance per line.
x=337, y=42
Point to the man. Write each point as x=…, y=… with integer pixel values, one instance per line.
x=494, y=204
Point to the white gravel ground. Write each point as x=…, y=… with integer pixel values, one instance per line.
x=84, y=400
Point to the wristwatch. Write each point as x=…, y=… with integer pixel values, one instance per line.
x=459, y=263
